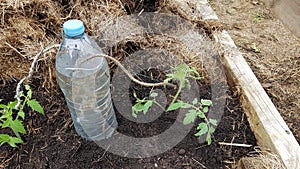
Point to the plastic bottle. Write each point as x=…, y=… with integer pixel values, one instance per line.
x=85, y=83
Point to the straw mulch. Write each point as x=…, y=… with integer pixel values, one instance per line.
x=29, y=26
x=260, y=159
x=26, y=27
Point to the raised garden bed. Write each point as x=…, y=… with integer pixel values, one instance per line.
x=52, y=142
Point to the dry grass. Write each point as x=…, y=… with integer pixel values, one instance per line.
x=29, y=26
x=184, y=10
x=26, y=27
x=260, y=159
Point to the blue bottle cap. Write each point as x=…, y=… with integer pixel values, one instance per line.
x=73, y=27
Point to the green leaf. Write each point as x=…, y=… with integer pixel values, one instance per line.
x=205, y=109
x=17, y=127
x=190, y=117
x=4, y=116
x=201, y=125
x=35, y=105
x=195, y=101
x=3, y=106
x=27, y=87
x=8, y=113
x=134, y=94
x=203, y=128
x=12, y=104
x=12, y=141
x=153, y=94
x=21, y=114
x=29, y=94
x=175, y=106
x=201, y=114
x=193, y=111
x=208, y=138
x=147, y=105
x=134, y=113
x=206, y=102
x=138, y=107
x=6, y=123
x=180, y=73
x=4, y=138
x=170, y=76
x=213, y=122
x=211, y=130
x=185, y=105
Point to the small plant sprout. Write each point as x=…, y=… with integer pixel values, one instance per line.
x=199, y=109
x=12, y=117
x=143, y=105
x=182, y=73
x=254, y=47
x=257, y=17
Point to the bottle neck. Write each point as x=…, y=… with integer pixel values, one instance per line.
x=74, y=37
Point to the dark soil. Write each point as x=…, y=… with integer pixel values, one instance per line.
x=51, y=141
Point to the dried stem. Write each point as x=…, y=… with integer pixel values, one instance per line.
x=235, y=144
x=15, y=49
x=18, y=92
x=126, y=71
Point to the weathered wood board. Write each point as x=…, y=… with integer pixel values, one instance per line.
x=269, y=128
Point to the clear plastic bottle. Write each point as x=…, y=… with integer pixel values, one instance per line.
x=85, y=82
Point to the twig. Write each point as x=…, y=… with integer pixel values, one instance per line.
x=30, y=155
x=122, y=5
x=70, y=13
x=76, y=150
x=18, y=92
x=6, y=161
x=125, y=71
x=203, y=166
x=102, y=155
x=235, y=144
x=15, y=49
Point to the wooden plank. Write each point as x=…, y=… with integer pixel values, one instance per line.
x=269, y=128
x=265, y=121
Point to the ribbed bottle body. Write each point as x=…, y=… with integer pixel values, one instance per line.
x=85, y=81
